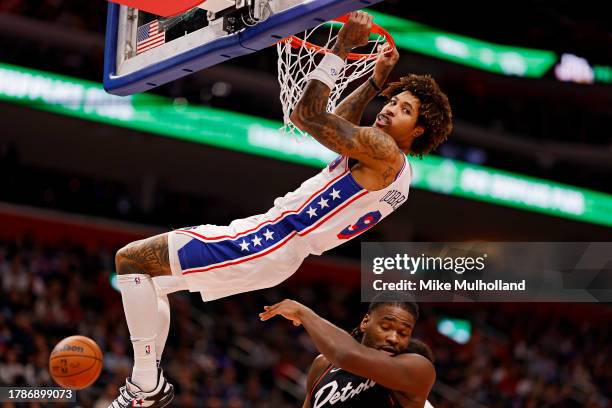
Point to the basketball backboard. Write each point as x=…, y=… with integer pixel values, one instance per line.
x=144, y=51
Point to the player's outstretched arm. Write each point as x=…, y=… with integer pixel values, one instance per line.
x=410, y=373
x=352, y=107
x=369, y=145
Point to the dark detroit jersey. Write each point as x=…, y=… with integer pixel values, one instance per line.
x=339, y=388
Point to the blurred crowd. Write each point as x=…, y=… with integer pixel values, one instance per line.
x=85, y=16
x=94, y=195
x=529, y=359
x=220, y=355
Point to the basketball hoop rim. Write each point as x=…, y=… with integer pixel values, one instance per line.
x=297, y=42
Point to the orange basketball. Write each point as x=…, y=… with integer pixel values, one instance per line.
x=76, y=362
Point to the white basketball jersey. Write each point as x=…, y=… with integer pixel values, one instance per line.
x=262, y=251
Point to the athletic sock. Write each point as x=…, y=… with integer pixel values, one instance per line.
x=163, y=325
x=140, y=307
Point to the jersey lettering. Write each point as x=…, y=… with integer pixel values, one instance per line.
x=394, y=198
x=363, y=224
x=330, y=394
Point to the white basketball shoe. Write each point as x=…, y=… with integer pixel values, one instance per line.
x=130, y=395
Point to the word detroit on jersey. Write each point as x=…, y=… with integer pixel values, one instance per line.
x=366, y=183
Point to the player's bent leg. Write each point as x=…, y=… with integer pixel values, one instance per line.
x=148, y=256
x=137, y=263
x=163, y=325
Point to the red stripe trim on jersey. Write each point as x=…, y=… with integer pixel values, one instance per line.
x=399, y=173
x=285, y=213
x=241, y=260
x=315, y=226
x=319, y=380
x=273, y=248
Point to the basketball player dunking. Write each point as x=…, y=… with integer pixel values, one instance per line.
x=365, y=184
x=383, y=368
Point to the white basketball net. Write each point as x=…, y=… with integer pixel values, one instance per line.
x=295, y=64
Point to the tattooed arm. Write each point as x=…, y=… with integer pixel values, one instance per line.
x=366, y=144
x=352, y=107
x=371, y=146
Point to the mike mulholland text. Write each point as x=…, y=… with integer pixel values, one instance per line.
x=437, y=285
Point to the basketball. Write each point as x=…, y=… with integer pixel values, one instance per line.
x=75, y=362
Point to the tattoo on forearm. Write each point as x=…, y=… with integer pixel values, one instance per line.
x=352, y=107
x=311, y=110
x=337, y=133
x=314, y=100
x=340, y=49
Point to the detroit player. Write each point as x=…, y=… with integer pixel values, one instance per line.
x=365, y=184
x=385, y=367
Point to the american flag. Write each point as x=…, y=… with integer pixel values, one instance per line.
x=149, y=36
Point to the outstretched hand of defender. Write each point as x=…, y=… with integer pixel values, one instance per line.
x=289, y=309
x=356, y=31
x=386, y=60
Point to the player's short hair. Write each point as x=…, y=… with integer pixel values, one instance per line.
x=402, y=300
x=435, y=113
x=410, y=307
x=384, y=299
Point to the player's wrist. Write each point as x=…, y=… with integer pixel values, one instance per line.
x=303, y=312
x=376, y=83
x=328, y=70
x=380, y=76
x=341, y=49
